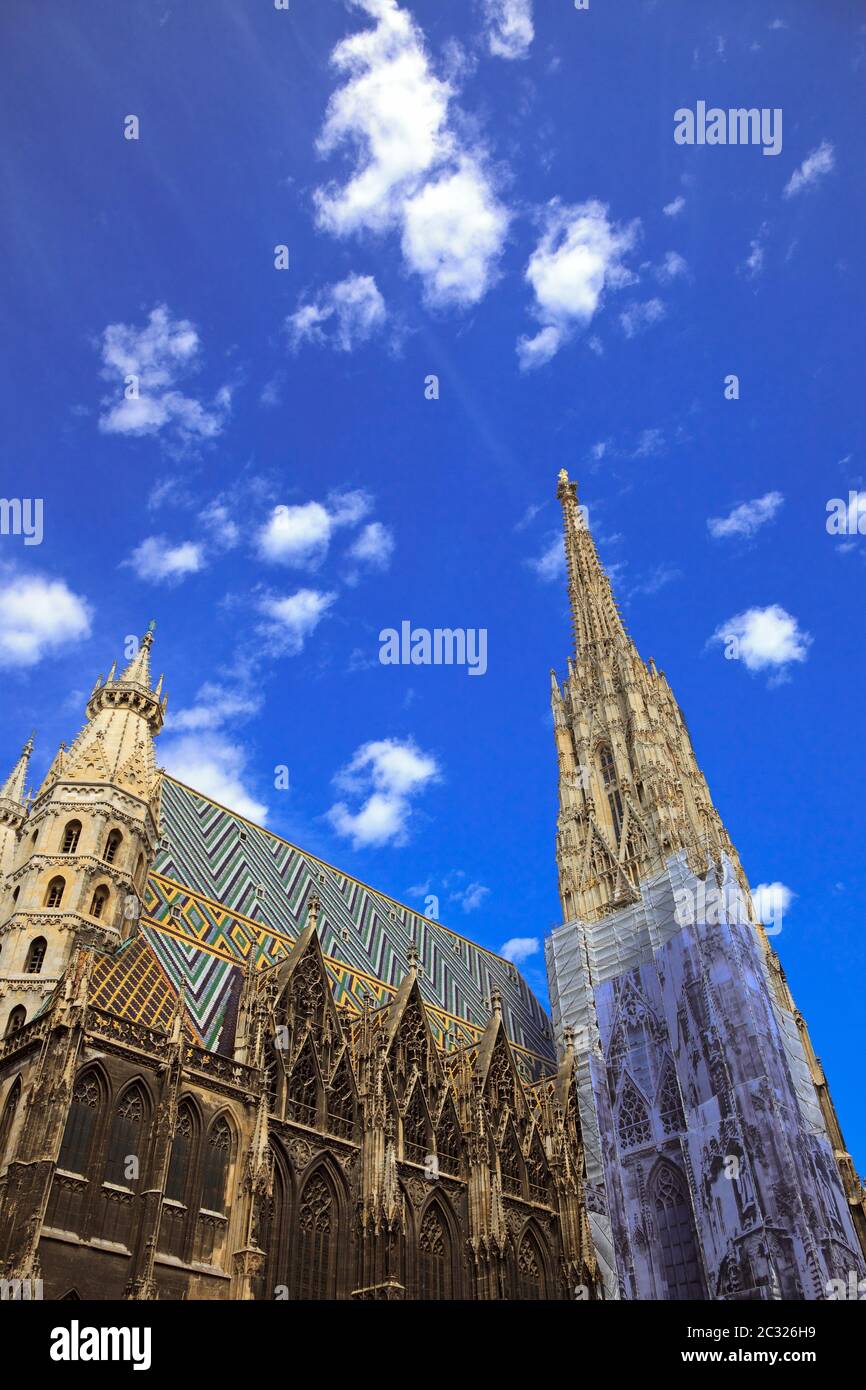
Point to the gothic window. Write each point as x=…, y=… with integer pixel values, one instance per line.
x=669, y=1104
x=126, y=1139
x=634, y=1124
x=16, y=1020
x=448, y=1143
x=9, y=1110
x=536, y=1169
x=510, y=1165
x=434, y=1256
x=181, y=1155
x=139, y=871
x=98, y=901
x=71, y=836
x=611, y=786
x=530, y=1270
x=112, y=845
x=341, y=1101
x=54, y=895
x=317, y=1244
x=80, y=1125
x=216, y=1166
x=677, y=1246
x=303, y=1089
x=35, y=956
x=416, y=1144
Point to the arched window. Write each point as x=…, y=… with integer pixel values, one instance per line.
x=112, y=845
x=634, y=1124
x=317, y=1239
x=71, y=836
x=216, y=1166
x=434, y=1256
x=611, y=786
x=139, y=872
x=303, y=1089
x=80, y=1125
x=448, y=1140
x=125, y=1143
x=530, y=1269
x=341, y=1100
x=180, y=1163
x=16, y=1020
x=98, y=901
x=677, y=1245
x=54, y=895
x=35, y=956
x=510, y=1164
x=8, y=1120
x=670, y=1106
x=416, y=1141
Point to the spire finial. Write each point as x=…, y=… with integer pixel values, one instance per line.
x=412, y=958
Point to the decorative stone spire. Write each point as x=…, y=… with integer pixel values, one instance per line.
x=12, y=791
x=132, y=689
x=631, y=793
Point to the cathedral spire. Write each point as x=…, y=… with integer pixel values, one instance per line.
x=13, y=788
x=594, y=612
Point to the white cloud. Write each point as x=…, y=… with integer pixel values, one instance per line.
x=471, y=897
x=509, y=27
x=638, y=317
x=772, y=901
x=386, y=774
x=214, y=706
x=580, y=253
x=754, y=262
x=292, y=619
x=157, y=560
x=414, y=172
x=373, y=547
x=675, y=208
x=520, y=948
x=38, y=615
x=213, y=765
x=747, y=518
x=299, y=536
x=765, y=638
x=147, y=364
x=650, y=444
x=342, y=315
x=550, y=564
x=672, y=267
x=814, y=166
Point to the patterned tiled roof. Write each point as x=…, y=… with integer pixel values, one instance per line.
x=226, y=894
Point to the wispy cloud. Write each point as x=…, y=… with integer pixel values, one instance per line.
x=509, y=27
x=746, y=518
x=814, y=167
x=638, y=317
x=215, y=766
x=162, y=562
x=341, y=316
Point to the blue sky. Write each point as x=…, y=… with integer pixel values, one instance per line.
x=491, y=194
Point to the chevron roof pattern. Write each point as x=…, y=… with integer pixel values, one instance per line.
x=226, y=895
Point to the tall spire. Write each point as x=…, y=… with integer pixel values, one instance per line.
x=594, y=612
x=132, y=689
x=13, y=788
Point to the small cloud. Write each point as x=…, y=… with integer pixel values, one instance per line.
x=638, y=317
x=147, y=364
x=754, y=262
x=216, y=767
x=674, y=208
x=299, y=536
x=579, y=255
x=161, y=562
x=509, y=27
x=38, y=616
x=657, y=579
x=373, y=547
x=342, y=315
x=550, y=564
x=471, y=897
x=387, y=774
x=764, y=639
x=747, y=518
x=214, y=706
x=519, y=948
x=292, y=619
x=672, y=267
x=814, y=167
x=772, y=901
x=650, y=444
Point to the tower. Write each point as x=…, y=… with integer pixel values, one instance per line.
x=76, y=858
x=715, y=1163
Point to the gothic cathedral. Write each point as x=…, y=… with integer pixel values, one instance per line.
x=229, y=1070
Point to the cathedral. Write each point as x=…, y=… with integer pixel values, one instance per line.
x=229, y=1070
